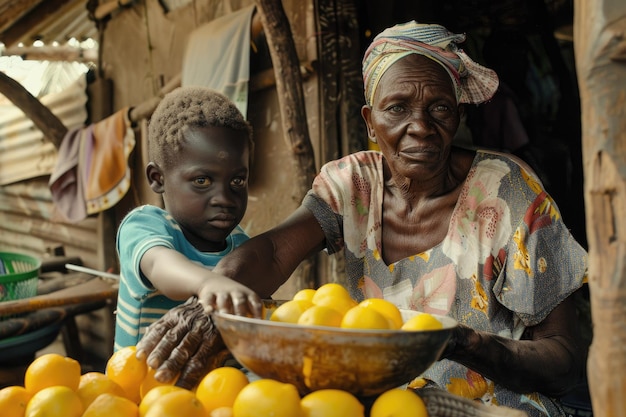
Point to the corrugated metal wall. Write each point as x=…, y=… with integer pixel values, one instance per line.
x=28, y=223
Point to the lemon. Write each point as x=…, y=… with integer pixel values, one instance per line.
x=331, y=403
x=92, y=384
x=220, y=387
x=55, y=401
x=335, y=296
x=330, y=289
x=178, y=403
x=290, y=311
x=154, y=394
x=398, y=402
x=364, y=318
x=149, y=382
x=267, y=398
x=13, y=401
x=422, y=321
x=387, y=309
x=108, y=405
x=305, y=294
x=52, y=369
x=222, y=412
x=320, y=316
x=127, y=371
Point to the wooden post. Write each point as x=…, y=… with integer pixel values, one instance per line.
x=292, y=108
x=600, y=46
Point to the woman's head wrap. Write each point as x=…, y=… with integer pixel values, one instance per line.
x=473, y=83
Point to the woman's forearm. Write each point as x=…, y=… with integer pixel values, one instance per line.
x=549, y=365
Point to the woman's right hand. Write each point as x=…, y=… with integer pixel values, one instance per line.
x=184, y=344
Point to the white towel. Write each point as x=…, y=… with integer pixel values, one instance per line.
x=217, y=56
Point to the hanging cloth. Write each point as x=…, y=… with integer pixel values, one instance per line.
x=217, y=56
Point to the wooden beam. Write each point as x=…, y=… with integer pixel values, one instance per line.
x=599, y=27
x=23, y=23
x=51, y=126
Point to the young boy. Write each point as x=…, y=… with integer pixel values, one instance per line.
x=200, y=148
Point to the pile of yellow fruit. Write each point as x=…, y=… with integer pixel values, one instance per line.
x=54, y=385
x=331, y=305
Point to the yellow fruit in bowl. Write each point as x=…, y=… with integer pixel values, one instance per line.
x=13, y=401
x=153, y=395
x=320, y=316
x=364, y=318
x=127, y=371
x=52, y=369
x=422, y=321
x=331, y=289
x=267, y=398
x=109, y=405
x=55, y=401
x=331, y=403
x=387, y=309
x=220, y=387
x=93, y=384
x=179, y=403
x=290, y=311
x=398, y=402
x=305, y=294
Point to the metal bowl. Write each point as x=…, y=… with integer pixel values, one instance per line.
x=362, y=362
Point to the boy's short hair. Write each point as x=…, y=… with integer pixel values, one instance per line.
x=190, y=107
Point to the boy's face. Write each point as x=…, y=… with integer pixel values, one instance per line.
x=206, y=187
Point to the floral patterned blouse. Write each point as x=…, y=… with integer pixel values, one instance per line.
x=507, y=259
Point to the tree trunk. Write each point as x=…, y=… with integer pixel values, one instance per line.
x=292, y=108
x=599, y=28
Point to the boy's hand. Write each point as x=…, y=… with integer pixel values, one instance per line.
x=228, y=296
x=184, y=343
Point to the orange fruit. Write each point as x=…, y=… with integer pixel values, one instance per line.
x=92, y=384
x=56, y=401
x=398, y=402
x=387, y=309
x=305, y=294
x=364, y=318
x=52, y=369
x=109, y=405
x=220, y=387
x=154, y=394
x=127, y=371
x=320, y=316
x=13, y=401
x=290, y=311
x=150, y=382
x=422, y=321
x=178, y=403
x=331, y=403
x=267, y=398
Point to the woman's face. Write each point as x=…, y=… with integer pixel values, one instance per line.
x=414, y=117
x=206, y=188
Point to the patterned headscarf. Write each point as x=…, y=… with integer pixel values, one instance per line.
x=473, y=83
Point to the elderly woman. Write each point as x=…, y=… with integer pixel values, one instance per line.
x=431, y=227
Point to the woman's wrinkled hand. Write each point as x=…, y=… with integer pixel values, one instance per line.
x=183, y=344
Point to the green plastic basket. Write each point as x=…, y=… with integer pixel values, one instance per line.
x=19, y=276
